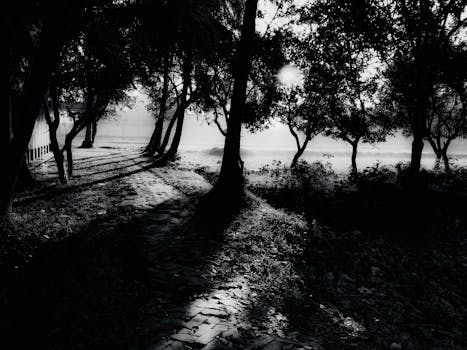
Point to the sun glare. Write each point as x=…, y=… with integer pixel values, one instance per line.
x=289, y=75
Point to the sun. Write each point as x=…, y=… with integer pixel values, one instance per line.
x=289, y=75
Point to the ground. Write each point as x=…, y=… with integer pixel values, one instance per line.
x=120, y=259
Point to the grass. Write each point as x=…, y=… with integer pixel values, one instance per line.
x=383, y=278
x=328, y=257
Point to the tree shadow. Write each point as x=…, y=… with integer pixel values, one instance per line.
x=120, y=159
x=400, y=213
x=113, y=169
x=121, y=287
x=49, y=192
x=379, y=264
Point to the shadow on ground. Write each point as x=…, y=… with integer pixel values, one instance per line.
x=381, y=267
x=118, y=289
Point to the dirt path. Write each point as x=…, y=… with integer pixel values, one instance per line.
x=140, y=276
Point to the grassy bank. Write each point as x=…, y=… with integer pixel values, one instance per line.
x=385, y=258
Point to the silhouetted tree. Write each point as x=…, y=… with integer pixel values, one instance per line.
x=231, y=174
x=53, y=121
x=339, y=73
x=95, y=73
x=37, y=31
x=303, y=116
x=446, y=121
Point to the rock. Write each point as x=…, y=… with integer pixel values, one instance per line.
x=395, y=346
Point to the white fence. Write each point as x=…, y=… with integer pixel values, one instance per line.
x=39, y=144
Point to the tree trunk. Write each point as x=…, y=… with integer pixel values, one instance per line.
x=418, y=126
x=230, y=179
x=45, y=61
x=187, y=67
x=6, y=126
x=69, y=154
x=354, y=156
x=171, y=153
x=53, y=126
x=299, y=152
x=151, y=146
x=165, y=142
x=24, y=178
x=445, y=157
x=59, y=159
x=87, y=142
x=436, y=150
x=94, y=131
x=155, y=142
x=416, y=156
x=437, y=161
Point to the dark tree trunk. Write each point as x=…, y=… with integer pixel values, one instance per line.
x=24, y=178
x=151, y=147
x=94, y=131
x=437, y=161
x=436, y=146
x=354, y=156
x=418, y=114
x=165, y=142
x=299, y=152
x=187, y=66
x=69, y=154
x=87, y=142
x=172, y=151
x=59, y=159
x=6, y=126
x=45, y=61
x=53, y=126
x=155, y=142
x=445, y=157
x=230, y=179
x=416, y=156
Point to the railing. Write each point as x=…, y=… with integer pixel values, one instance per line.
x=39, y=145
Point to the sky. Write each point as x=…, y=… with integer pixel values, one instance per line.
x=198, y=134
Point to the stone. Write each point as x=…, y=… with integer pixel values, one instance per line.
x=196, y=321
x=207, y=332
x=214, y=312
x=185, y=337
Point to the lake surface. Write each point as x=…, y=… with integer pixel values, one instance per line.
x=256, y=158
x=339, y=161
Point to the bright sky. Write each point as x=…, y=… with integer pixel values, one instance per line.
x=199, y=135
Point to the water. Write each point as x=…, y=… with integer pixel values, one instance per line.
x=256, y=158
x=339, y=161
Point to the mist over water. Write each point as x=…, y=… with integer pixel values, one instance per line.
x=203, y=144
x=255, y=158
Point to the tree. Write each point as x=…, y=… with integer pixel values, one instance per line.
x=53, y=121
x=230, y=179
x=37, y=33
x=95, y=73
x=446, y=121
x=339, y=72
x=421, y=36
x=302, y=115
x=214, y=82
x=413, y=39
x=159, y=106
x=191, y=31
x=90, y=135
